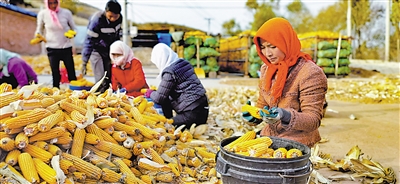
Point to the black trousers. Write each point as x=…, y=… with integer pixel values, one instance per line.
x=57, y=55
x=10, y=80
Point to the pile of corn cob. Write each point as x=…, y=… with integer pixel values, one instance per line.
x=49, y=135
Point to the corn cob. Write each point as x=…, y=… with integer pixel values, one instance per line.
x=12, y=169
x=7, y=144
x=190, y=171
x=77, y=142
x=51, y=134
x=31, y=129
x=12, y=157
x=111, y=176
x=69, y=107
x=48, y=122
x=31, y=104
x=3, y=134
x=32, y=117
x=65, y=138
x=45, y=172
x=36, y=95
x=120, y=136
x=123, y=167
x=280, y=153
x=154, y=156
x=136, y=101
x=92, y=138
x=45, y=102
x=37, y=152
x=67, y=166
x=116, y=149
x=204, y=153
x=142, y=105
x=101, y=102
x=245, y=137
x=93, y=129
x=5, y=87
x=21, y=140
x=171, y=152
x=109, y=130
x=147, y=164
x=89, y=169
x=100, y=161
x=164, y=177
x=122, y=118
x=28, y=168
x=130, y=130
x=137, y=116
x=146, y=132
x=105, y=122
x=7, y=98
x=69, y=125
x=21, y=112
x=293, y=153
x=91, y=100
x=96, y=151
x=78, y=117
x=107, y=137
x=138, y=138
x=58, y=98
x=54, y=150
x=258, y=149
x=42, y=144
x=268, y=154
x=243, y=146
x=79, y=176
x=54, y=107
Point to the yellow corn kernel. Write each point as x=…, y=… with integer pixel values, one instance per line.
x=21, y=140
x=48, y=122
x=204, y=153
x=12, y=157
x=190, y=171
x=146, y=132
x=31, y=129
x=69, y=107
x=7, y=144
x=147, y=179
x=245, y=137
x=54, y=150
x=280, y=153
x=37, y=152
x=5, y=87
x=45, y=172
x=67, y=166
x=122, y=118
x=69, y=125
x=89, y=169
x=110, y=176
x=31, y=104
x=93, y=129
x=77, y=142
x=175, y=168
x=51, y=134
x=79, y=176
x=120, y=136
x=258, y=149
x=54, y=107
x=36, y=95
x=164, y=177
x=12, y=169
x=137, y=115
x=42, y=144
x=28, y=168
x=154, y=156
x=268, y=154
x=78, y=117
x=47, y=101
x=107, y=137
x=293, y=153
x=105, y=122
x=65, y=138
x=92, y=138
x=147, y=164
x=123, y=167
x=244, y=146
x=7, y=98
x=100, y=161
x=116, y=149
x=109, y=131
x=91, y=100
x=142, y=105
x=101, y=102
x=136, y=101
x=130, y=130
x=136, y=172
x=253, y=111
x=32, y=117
x=96, y=151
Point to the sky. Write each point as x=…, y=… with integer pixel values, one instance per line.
x=206, y=15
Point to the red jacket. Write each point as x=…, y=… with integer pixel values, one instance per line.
x=131, y=78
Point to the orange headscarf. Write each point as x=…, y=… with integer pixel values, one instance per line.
x=279, y=33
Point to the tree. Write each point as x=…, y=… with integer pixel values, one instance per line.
x=70, y=5
x=324, y=22
x=231, y=28
x=263, y=13
x=299, y=16
x=395, y=38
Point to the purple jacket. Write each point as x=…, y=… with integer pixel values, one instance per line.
x=21, y=71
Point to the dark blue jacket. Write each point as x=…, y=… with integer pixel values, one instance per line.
x=181, y=86
x=101, y=33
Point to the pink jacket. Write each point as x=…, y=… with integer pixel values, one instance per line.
x=303, y=96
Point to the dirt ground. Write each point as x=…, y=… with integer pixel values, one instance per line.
x=375, y=129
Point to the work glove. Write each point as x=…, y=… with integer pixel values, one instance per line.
x=275, y=114
x=83, y=72
x=251, y=114
x=148, y=93
x=70, y=34
x=38, y=38
x=122, y=90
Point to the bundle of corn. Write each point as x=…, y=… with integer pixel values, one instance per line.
x=41, y=65
x=76, y=136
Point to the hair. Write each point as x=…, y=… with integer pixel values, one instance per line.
x=113, y=6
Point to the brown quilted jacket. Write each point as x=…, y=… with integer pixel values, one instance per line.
x=303, y=96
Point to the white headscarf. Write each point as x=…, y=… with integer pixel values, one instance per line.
x=119, y=47
x=163, y=56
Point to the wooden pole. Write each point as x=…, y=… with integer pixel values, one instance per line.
x=337, y=54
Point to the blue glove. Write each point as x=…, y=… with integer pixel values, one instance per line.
x=275, y=114
x=249, y=118
x=122, y=90
x=148, y=93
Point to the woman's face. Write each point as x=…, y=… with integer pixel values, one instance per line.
x=271, y=52
x=52, y=4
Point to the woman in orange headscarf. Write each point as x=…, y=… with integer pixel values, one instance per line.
x=292, y=86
